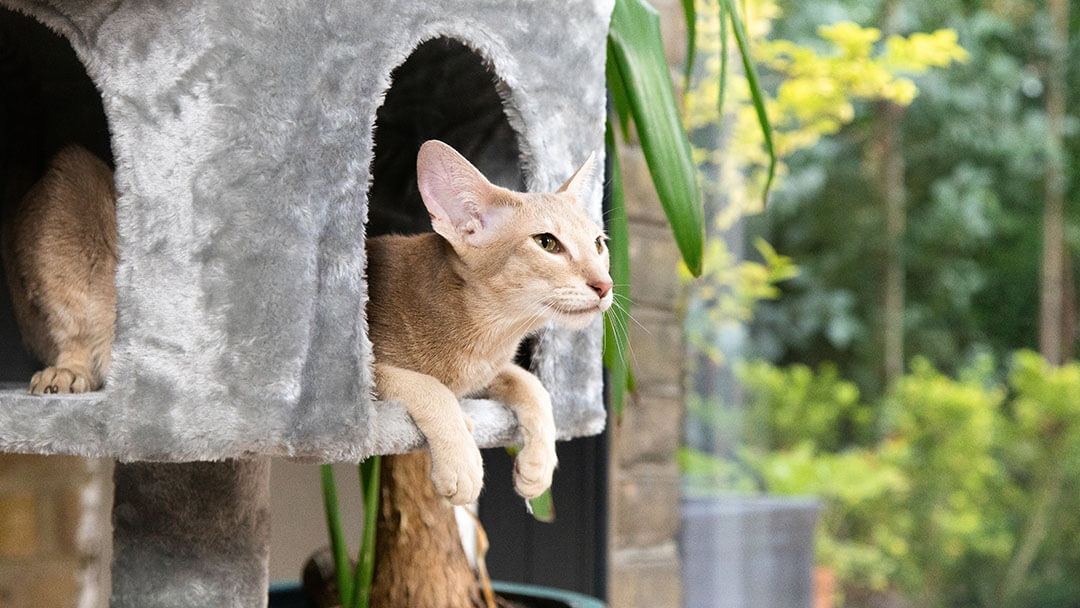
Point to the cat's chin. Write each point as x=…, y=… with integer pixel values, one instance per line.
x=576, y=320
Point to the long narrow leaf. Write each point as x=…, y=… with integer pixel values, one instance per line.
x=342, y=567
x=543, y=507
x=618, y=94
x=690, y=12
x=755, y=92
x=722, y=9
x=365, y=568
x=637, y=48
x=616, y=319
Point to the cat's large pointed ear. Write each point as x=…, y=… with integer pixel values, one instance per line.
x=580, y=179
x=464, y=206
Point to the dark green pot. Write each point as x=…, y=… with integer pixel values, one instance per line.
x=289, y=595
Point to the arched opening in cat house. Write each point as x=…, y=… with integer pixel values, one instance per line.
x=48, y=101
x=443, y=91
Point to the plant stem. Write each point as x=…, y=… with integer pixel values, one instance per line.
x=369, y=482
x=342, y=567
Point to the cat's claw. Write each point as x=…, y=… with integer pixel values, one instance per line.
x=458, y=471
x=533, y=469
x=59, y=380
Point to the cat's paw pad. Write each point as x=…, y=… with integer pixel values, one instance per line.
x=534, y=468
x=59, y=380
x=458, y=471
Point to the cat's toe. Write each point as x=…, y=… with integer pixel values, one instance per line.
x=459, y=478
x=59, y=380
x=533, y=470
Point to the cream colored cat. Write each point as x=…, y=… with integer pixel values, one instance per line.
x=446, y=311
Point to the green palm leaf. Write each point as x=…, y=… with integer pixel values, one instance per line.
x=616, y=326
x=641, y=71
x=756, y=95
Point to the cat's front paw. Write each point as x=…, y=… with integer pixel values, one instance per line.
x=457, y=470
x=60, y=380
x=534, y=467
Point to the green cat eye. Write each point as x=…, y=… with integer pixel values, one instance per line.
x=599, y=244
x=548, y=242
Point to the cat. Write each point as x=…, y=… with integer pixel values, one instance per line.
x=446, y=309
x=449, y=308
x=59, y=253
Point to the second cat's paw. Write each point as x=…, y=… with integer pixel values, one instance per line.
x=458, y=471
x=60, y=380
x=534, y=468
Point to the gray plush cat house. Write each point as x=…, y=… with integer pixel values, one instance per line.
x=255, y=144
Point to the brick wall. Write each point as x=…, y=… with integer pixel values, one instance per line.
x=55, y=539
x=645, y=490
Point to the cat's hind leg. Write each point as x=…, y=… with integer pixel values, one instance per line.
x=456, y=467
x=71, y=374
x=523, y=393
x=60, y=257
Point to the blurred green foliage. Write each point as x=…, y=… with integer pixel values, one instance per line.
x=930, y=490
x=957, y=484
x=974, y=143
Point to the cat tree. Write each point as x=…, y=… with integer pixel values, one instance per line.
x=248, y=165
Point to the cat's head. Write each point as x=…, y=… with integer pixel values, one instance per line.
x=539, y=253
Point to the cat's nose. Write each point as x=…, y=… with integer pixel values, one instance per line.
x=601, y=286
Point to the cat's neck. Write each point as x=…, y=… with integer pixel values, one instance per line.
x=488, y=320
x=429, y=312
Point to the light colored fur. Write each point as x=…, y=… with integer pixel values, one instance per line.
x=60, y=260
x=448, y=309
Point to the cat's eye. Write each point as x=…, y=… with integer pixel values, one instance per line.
x=548, y=242
x=599, y=244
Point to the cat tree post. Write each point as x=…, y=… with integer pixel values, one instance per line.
x=205, y=521
x=243, y=138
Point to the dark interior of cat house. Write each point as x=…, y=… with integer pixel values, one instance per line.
x=47, y=101
x=442, y=91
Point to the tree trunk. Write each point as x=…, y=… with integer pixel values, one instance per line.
x=1052, y=298
x=891, y=182
x=890, y=174
x=419, y=561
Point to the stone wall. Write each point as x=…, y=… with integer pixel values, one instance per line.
x=644, y=569
x=55, y=539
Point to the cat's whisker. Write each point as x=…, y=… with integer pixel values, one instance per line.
x=526, y=324
x=626, y=312
x=626, y=332
x=622, y=341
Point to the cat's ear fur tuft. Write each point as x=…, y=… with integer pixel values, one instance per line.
x=580, y=179
x=464, y=206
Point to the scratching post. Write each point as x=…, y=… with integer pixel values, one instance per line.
x=204, y=521
x=256, y=145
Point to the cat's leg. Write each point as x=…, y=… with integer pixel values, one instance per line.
x=61, y=259
x=79, y=326
x=456, y=467
x=71, y=374
x=524, y=394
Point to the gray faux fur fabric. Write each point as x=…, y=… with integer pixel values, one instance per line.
x=192, y=534
x=242, y=135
